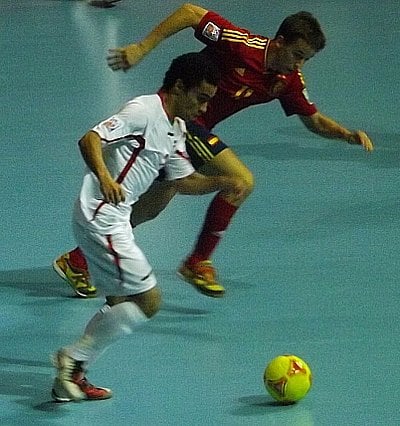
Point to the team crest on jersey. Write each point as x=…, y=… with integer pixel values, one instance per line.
x=112, y=124
x=211, y=31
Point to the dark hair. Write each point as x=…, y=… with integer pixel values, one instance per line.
x=302, y=25
x=192, y=68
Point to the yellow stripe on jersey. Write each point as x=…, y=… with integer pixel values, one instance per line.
x=239, y=34
x=200, y=148
x=239, y=37
x=303, y=82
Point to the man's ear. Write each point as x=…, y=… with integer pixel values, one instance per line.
x=280, y=41
x=178, y=87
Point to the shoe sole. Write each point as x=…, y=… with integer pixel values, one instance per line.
x=205, y=292
x=61, y=274
x=59, y=399
x=71, y=396
x=83, y=397
x=56, y=398
x=68, y=395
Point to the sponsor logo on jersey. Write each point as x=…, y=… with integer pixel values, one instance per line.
x=135, y=144
x=211, y=31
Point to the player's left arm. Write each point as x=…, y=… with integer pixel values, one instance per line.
x=329, y=128
x=199, y=184
x=186, y=16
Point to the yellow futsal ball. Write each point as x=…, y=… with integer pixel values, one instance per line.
x=287, y=378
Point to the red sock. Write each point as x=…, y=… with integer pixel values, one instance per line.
x=77, y=259
x=218, y=218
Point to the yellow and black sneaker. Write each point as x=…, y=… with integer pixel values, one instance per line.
x=77, y=279
x=202, y=276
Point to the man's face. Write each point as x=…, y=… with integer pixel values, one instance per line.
x=193, y=102
x=291, y=56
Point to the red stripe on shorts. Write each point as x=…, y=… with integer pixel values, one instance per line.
x=117, y=259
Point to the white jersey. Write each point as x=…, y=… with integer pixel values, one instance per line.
x=137, y=142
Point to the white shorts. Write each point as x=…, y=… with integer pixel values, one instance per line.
x=117, y=266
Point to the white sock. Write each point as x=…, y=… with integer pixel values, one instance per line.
x=107, y=325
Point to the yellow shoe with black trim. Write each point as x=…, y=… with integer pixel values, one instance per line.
x=78, y=280
x=202, y=276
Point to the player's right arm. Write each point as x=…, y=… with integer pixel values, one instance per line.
x=186, y=16
x=92, y=153
x=328, y=128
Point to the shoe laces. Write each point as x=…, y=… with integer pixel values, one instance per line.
x=70, y=368
x=90, y=390
x=204, y=269
x=82, y=277
x=81, y=380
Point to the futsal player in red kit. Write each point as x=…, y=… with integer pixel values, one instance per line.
x=255, y=70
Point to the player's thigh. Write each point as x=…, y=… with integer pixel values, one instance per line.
x=227, y=163
x=149, y=301
x=210, y=155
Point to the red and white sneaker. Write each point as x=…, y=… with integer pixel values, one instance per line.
x=71, y=384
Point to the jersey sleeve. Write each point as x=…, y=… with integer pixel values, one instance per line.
x=296, y=100
x=178, y=165
x=129, y=122
x=212, y=28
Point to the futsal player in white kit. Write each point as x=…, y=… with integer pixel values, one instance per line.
x=124, y=154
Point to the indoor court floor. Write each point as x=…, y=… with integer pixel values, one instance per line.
x=310, y=263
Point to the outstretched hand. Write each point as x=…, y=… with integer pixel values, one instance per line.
x=123, y=58
x=361, y=138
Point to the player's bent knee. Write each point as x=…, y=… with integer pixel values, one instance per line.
x=247, y=185
x=149, y=301
x=248, y=180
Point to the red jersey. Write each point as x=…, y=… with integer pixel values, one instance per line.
x=245, y=80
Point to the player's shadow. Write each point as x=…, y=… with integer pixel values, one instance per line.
x=29, y=388
x=35, y=282
x=265, y=406
x=258, y=404
x=299, y=145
